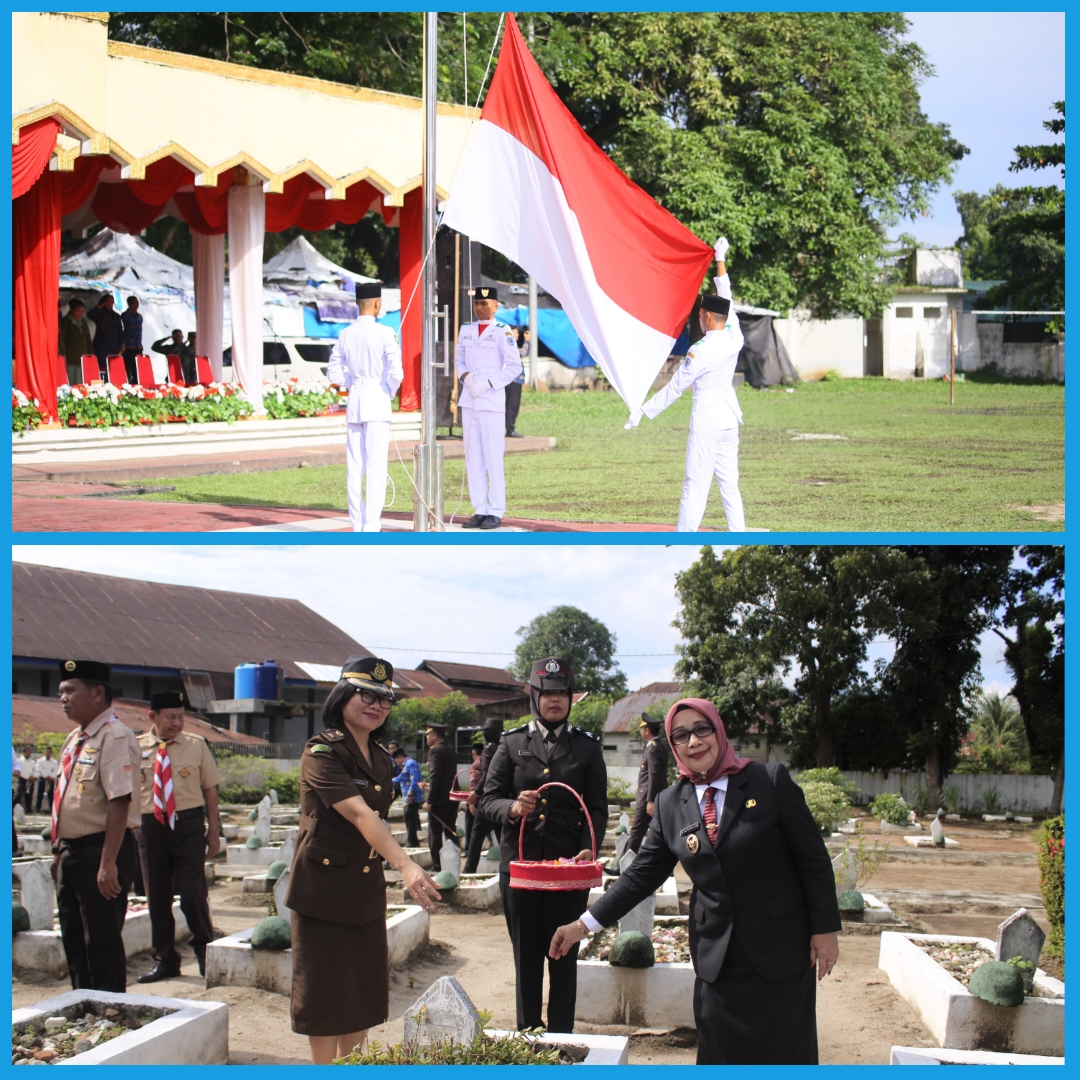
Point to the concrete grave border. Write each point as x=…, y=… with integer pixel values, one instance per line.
x=603, y=1049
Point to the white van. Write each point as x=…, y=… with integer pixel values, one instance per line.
x=289, y=358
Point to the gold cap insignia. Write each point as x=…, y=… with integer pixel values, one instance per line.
x=69, y=665
x=750, y=803
x=379, y=671
x=692, y=843
x=484, y=292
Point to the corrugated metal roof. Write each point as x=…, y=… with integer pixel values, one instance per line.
x=430, y=686
x=81, y=616
x=43, y=714
x=471, y=673
x=631, y=707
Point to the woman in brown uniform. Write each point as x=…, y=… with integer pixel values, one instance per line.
x=341, y=978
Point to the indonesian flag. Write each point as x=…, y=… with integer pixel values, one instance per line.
x=536, y=188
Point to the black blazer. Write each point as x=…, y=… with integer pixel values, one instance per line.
x=556, y=828
x=769, y=880
x=652, y=776
x=442, y=768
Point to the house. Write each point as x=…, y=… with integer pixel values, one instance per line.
x=493, y=692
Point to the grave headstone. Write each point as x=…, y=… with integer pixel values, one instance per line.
x=281, y=886
x=273, y=797
x=39, y=895
x=641, y=917
x=450, y=858
x=20, y=814
x=849, y=872
x=624, y=820
x=262, y=820
x=441, y=1013
x=620, y=845
x=1019, y=935
x=287, y=849
x=937, y=833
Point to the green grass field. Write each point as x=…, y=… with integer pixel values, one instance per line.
x=844, y=455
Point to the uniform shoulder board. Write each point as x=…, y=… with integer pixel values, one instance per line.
x=582, y=731
x=514, y=731
x=379, y=746
x=320, y=748
x=332, y=735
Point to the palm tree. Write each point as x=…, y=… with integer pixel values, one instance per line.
x=997, y=723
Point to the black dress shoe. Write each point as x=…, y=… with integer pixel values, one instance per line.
x=514, y=435
x=202, y=964
x=159, y=973
x=475, y=522
x=491, y=522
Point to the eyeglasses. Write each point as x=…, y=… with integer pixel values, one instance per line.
x=702, y=731
x=368, y=698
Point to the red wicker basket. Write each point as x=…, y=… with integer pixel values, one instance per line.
x=456, y=794
x=557, y=876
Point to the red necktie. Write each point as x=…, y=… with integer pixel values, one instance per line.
x=709, y=814
x=61, y=786
x=164, y=799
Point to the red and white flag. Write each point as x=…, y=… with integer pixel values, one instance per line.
x=536, y=188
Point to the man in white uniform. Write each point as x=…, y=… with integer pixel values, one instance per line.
x=713, y=446
x=367, y=361
x=486, y=360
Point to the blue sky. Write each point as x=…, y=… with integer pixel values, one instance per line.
x=997, y=74
x=411, y=603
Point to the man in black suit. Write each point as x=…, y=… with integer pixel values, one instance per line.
x=652, y=779
x=482, y=828
x=440, y=809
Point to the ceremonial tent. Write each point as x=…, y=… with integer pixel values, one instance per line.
x=120, y=134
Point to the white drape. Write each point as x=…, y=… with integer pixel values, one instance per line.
x=247, y=227
x=208, y=256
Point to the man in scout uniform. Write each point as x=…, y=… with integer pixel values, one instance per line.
x=713, y=445
x=179, y=791
x=367, y=361
x=652, y=778
x=93, y=813
x=441, y=811
x=486, y=361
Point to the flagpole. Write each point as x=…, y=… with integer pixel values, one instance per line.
x=428, y=516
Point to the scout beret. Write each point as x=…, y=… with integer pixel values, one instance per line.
x=488, y=292
x=368, y=290
x=370, y=673
x=718, y=305
x=168, y=699
x=90, y=670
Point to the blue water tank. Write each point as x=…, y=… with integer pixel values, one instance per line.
x=256, y=681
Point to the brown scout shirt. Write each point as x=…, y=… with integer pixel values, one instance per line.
x=193, y=769
x=336, y=875
x=106, y=768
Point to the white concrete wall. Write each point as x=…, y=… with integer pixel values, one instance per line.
x=817, y=346
x=1019, y=793
x=902, y=335
x=984, y=349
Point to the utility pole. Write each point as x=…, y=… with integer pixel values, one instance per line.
x=428, y=515
x=952, y=356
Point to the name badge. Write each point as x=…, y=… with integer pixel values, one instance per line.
x=526, y=753
x=690, y=829
x=86, y=761
x=360, y=783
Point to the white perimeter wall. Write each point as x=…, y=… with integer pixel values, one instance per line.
x=817, y=346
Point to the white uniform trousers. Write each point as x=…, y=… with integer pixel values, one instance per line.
x=485, y=435
x=366, y=448
x=708, y=454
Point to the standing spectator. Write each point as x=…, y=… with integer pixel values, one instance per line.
x=392, y=746
x=108, y=332
x=482, y=827
x=513, y=390
x=174, y=345
x=132, y=323
x=17, y=778
x=24, y=793
x=75, y=340
x=407, y=782
x=45, y=770
x=441, y=810
x=475, y=772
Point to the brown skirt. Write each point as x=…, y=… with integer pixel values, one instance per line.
x=340, y=976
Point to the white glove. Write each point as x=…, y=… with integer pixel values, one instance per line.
x=635, y=419
x=477, y=384
x=721, y=248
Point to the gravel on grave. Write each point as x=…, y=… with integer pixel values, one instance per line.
x=56, y=1038
x=961, y=960
x=671, y=944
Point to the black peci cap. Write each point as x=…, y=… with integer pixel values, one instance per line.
x=488, y=292
x=89, y=670
x=370, y=673
x=368, y=290
x=168, y=699
x=718, y=305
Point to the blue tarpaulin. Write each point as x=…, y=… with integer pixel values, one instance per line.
x=553, y=325
x=314, y=328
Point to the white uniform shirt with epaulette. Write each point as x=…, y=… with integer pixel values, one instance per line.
x=366, y=360
x=709, y=368
x=492, y=355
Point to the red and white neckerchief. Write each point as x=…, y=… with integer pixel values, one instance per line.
x=70, y=754
x=164, y=799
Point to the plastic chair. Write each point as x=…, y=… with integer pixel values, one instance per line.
x=176, y=370
x=202, y=370
x=117, y=371
x=91, y=369
x=145, y=370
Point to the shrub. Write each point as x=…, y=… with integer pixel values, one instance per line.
x=951, y=795
x=890, y=807
x=1052, y=882
x=618, y=791
x=827, y=803
x=830, y=776
x=866, y=858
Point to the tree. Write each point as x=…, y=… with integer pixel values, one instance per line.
x=802, y=613
x=998, y=723
x=590, y=713
x=941, y=611
x=410, y=716
x=1035, y=654
x=1019, y=233
x=574, y=634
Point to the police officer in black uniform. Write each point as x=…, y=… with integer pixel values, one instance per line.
x=652, y=779
x=441, y=811
x=547, y=749
x=482, y=828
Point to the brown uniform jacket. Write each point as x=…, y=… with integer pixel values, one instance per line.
x=191, y=763
x=336, y=875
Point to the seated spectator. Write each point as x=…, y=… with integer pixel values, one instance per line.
x=76, y=340
x=174, y=345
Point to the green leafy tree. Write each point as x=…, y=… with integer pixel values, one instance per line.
x=410, y=716
x=998, y=723
x=1034, y=635
x=586, y=642
x=590, y=713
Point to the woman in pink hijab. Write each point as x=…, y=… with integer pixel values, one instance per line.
x=763, y=913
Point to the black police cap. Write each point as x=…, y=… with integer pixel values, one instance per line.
x=88, y=670
x=653, y=723
x=168, y=699
x=370, y=673
x=718, y=305
x=551, y=673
